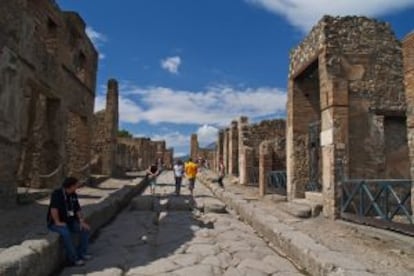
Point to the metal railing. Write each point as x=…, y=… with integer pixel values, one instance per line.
x=277, y=179
x=382, y=203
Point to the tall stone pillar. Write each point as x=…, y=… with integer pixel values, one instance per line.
x=111, y=128
x=219, y=149
x=408, y=56
x=234, y=149
x=226, y=150
x=194, y=147
x=245, y=152
x=265, y=164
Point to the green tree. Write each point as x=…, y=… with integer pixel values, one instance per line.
x=124, y=133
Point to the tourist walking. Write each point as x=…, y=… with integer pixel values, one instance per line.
x=178, y=175
x=152, y=172
x=191, y=169
x=221, y=173
x=64, y=217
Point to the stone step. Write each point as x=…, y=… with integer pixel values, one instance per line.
x=316, y=207
x=299, y=210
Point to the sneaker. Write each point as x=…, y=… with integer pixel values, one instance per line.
x=86, y=257
x=79, y=263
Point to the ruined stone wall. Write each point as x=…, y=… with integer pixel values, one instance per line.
x=347, y=74
x=226, y=136
x=272, y=157
x=137, y=154
x=169, y=158
x=251, y=136
x=408, y=53
x=98, y=141
x=47, y=83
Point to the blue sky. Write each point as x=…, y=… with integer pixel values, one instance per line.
x=192, y=66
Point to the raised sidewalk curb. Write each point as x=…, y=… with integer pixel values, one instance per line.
x=310, y=255
x=42, y=257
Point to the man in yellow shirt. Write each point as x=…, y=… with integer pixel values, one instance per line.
x=191, y=169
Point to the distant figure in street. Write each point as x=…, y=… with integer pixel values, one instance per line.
x=221, y=173
x=152, y=173
x=191, y=169
x=178, y=175
x=64, y=217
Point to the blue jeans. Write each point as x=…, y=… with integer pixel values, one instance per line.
x=65, y=232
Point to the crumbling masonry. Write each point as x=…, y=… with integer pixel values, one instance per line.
x=47, y=83
x=346, y=108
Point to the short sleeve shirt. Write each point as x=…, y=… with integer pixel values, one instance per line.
x=66, y=204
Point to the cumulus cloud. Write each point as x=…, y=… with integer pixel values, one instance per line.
x=303, y=14
x=213, y=106
x=206, y=135
x=129, y=111
x=171, y=64
x=172, y=139
x=97, y=38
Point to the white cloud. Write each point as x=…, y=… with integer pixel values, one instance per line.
x=305, y=13
x=173, y=139
x=129, y=111
x=206, y=135
x=215, y=105
x=171, y=64
x=98, y=39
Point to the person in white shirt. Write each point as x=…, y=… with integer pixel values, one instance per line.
x=178, y=175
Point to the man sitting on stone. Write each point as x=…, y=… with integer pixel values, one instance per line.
x=64, y=217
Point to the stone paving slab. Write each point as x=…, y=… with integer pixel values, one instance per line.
x=319, y=245
x=180, y=242
x=28, y=248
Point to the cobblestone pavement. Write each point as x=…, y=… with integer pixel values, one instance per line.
x=161, y=236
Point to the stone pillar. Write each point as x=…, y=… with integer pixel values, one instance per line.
x=333, y=137
x=265, y=165
x=245, y=152
x=226, y=150
x=194, y=147
x=408, y=56
x=219, y=149
x=111, y=128
x=233, y=149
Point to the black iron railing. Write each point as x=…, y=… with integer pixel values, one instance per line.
x=382, y=203
x=277, y=179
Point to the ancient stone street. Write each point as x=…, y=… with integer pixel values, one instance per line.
x=161, y=236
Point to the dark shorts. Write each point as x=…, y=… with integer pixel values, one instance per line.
x=191, y=183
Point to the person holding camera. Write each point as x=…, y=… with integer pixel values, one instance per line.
x=64, y=217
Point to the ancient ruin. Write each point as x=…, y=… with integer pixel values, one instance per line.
x=47, y=89
x=408, y=54
x=113, y=155
x=206, y=154
x=105, y=133
x=251, y=151
x=346, y=110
